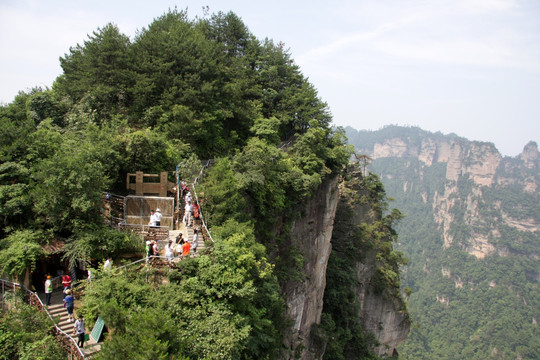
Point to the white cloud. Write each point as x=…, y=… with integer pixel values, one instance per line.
x=342, y=46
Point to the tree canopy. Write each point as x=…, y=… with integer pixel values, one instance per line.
x=180, y=91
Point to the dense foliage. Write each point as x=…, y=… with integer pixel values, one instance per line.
x=222, y=305
x=26, y=333
x=179, y=91
x=466, y=307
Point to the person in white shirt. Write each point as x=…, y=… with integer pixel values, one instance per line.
x=157, y=217
x=187, y=214
x=108, y=265
x=195, y=241
x=152, y=221
x=79, y=330
x=169, y=251
x=48, y=290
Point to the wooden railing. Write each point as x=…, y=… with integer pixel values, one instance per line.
x=112, y=209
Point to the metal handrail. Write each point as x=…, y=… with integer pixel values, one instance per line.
x=197, y=199
x=41, y=307
x=143, y=259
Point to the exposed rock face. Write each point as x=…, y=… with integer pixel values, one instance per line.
x=380, y=313
x=478, y=161
x=311, y=234
x=454, y=162
x=390, y=148
x=530, y=155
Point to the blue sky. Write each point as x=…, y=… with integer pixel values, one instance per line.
x=469, y=67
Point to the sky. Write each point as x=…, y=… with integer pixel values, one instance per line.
x=469, y=67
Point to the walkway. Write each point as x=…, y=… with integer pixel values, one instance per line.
x=60, y=316
x=187, y=234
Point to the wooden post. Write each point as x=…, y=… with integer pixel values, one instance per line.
x=163, y=184
x=139, y=183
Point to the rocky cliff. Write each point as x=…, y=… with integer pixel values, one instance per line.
x=313, y=234
x=471, y=234
x=464, y=160
x=477, y=160
x=382, y=311
x=310, y=234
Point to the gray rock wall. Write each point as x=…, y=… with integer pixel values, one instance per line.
x=310, y=234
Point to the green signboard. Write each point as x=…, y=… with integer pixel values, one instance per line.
x=98, y=329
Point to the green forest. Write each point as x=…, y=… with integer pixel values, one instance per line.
x=463, y=307
x=181, y=91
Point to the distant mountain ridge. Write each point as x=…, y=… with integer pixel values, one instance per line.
x=480, y=162
x=463, y=198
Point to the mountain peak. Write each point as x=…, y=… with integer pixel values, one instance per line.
x=530, y=155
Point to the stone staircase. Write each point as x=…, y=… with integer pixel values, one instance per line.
x=187, y=233
x=60, y=316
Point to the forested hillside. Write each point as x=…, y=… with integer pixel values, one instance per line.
x=179, y=92
x=181, y=87
x=471, y=232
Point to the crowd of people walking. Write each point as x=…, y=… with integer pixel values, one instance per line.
x=181, y=247
x=68, y=303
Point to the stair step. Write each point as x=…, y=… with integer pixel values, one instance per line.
x=64, y=323
x=57, y=312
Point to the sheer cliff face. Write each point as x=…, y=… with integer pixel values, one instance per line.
x=471, y=232
x=381, y=313
x=480, y=163
x=312, y=234
x=477, y=160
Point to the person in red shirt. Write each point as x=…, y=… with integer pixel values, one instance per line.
x=66, y=283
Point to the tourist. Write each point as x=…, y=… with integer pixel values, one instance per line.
x=188, y=197
x=195, y=243
x=187, y=214
x=157, y=217
x=152, y=221
x=196, y=214
x=180, y=236
x=69, y=301
x=79, y=330
x=66, y=283
x=155, y=248
x=178, y=248
x=149, y=249
x=108, y=264
x=169, y=251
x=48, y=290
x=185, y=249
